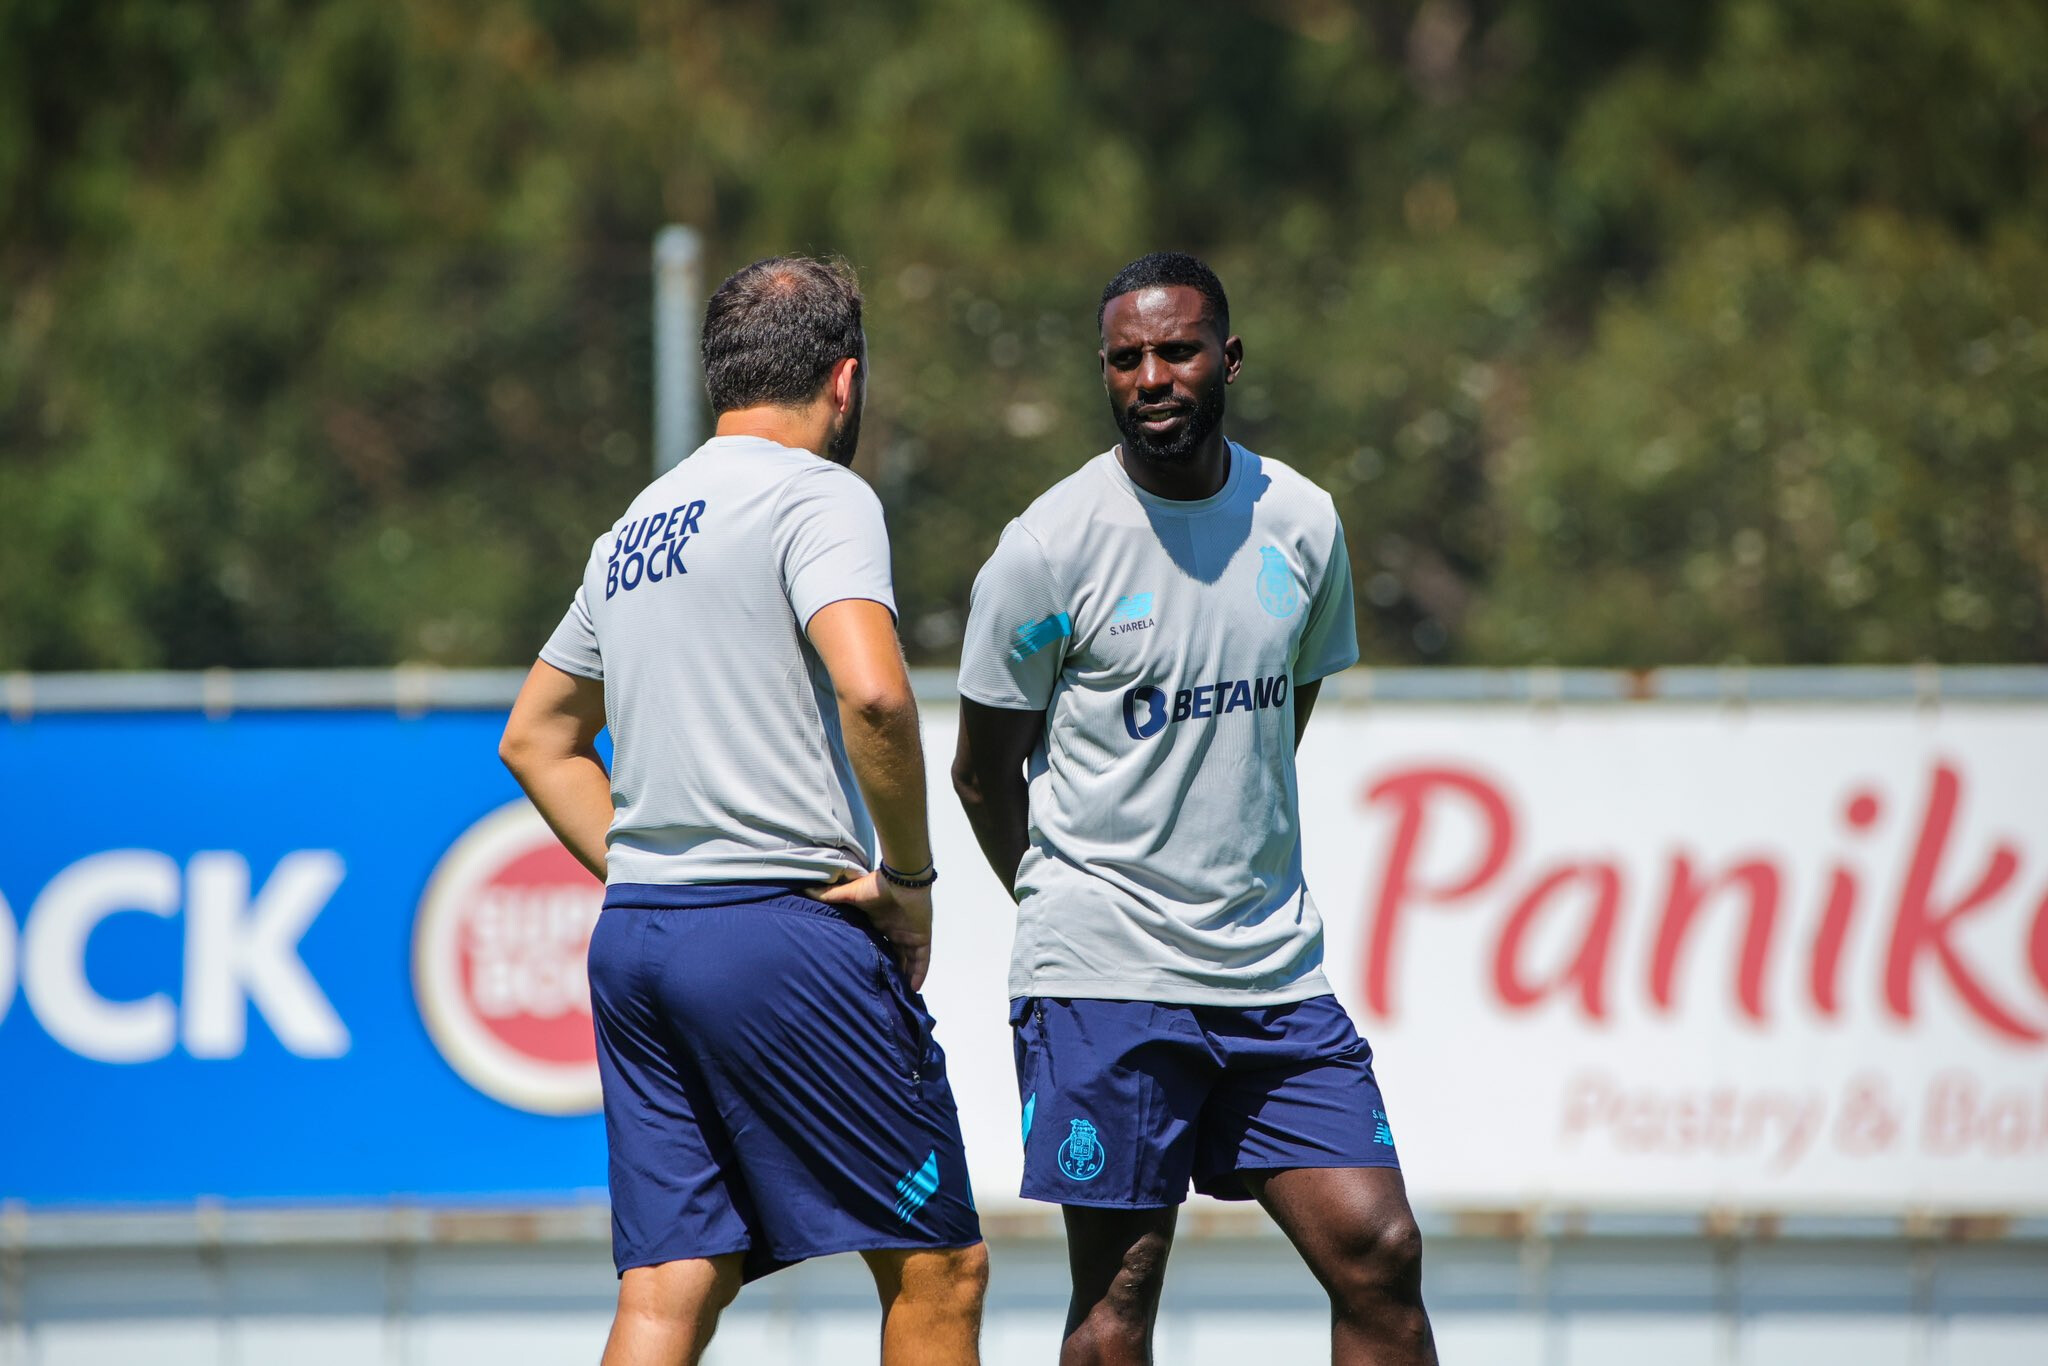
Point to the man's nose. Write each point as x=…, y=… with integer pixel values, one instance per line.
x=1154, y=373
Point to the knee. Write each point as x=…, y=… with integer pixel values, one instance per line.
x=726, y=1287
x=680, y=1293
x=949, y=1280
x=1383, y=1258
x=967, y=1271
x=1132, y=1298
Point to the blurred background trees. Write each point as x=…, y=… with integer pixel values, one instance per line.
x=1624, y=332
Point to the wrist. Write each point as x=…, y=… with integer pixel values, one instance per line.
x=913, y=879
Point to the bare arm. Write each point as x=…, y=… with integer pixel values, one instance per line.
x=878, y=717
x=856, y=639
x=988, y=775
x=1304, y=703
x=550, y=744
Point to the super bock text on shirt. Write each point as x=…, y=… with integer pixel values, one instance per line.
x=650, y=549
x=728, y=764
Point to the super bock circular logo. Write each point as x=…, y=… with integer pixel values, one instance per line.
x=498, y=964
x=1081, y=1152
x=1279, y=594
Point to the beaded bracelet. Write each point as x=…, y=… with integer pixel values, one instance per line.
x=923, y=877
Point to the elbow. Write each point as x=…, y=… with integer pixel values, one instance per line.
x=515, y=751
x=966, y=787
x=881, y=706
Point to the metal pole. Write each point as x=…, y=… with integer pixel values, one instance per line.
x=678, y=386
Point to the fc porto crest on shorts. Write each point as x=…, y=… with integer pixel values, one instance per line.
x=1279, y=594
x=1081, y=1153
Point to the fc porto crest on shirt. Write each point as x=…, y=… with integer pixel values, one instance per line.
x=1279, y=594
x=1081, y=1154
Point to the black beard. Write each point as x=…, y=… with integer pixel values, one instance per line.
x=1181, y=447
x=845, y=439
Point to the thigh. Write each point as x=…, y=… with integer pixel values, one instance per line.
x=669, y=1164
x=825, y=1072
x=1298, y=1090
x=1110, y=1093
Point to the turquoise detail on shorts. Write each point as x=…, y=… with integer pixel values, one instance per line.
x=916, y=1187
x=1381, y=1133
x=1030, y=1109
x=1081, y=1157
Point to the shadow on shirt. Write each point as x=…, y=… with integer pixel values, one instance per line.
x=1202, y=547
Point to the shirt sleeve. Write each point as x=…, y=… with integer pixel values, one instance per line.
x=832, y=543
x=1018, y=628
x=573, y=646
x=1329, y=643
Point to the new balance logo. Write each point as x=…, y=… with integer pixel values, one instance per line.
x=916, y=1187
x=1381, y=1134
x=1133, y=612
x=1132, y=607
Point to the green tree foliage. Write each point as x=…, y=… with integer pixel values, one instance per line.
x=1624, y=332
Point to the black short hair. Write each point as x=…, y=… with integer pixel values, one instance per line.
x=774, y=330
x=1169, y=268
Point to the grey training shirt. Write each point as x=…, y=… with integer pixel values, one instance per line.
x=728, y=764
x=1164, y=641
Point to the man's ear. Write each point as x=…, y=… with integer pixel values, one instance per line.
x=845, y=384
x=1233, y=358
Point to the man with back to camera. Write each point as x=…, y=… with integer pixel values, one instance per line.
x=1150, y=637
x=772, y=1091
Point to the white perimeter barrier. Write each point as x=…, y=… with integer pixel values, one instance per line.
x=1671, y=957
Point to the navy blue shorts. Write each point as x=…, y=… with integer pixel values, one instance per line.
x=771, y=1086
x=1126, y=1102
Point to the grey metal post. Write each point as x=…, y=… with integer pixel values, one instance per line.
x=678, y=385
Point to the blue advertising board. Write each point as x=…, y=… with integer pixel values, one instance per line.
x=286, y=956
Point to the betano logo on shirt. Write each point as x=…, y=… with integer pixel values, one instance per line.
x=1145, y=713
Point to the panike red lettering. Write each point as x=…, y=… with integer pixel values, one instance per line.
x=1586, y=898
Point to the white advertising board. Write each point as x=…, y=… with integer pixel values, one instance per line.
x=1785, y=958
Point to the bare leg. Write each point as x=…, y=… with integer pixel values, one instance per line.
x=1353, y=1227
x=667, y=1312
x=1118, y=1261
x=931, y=1304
